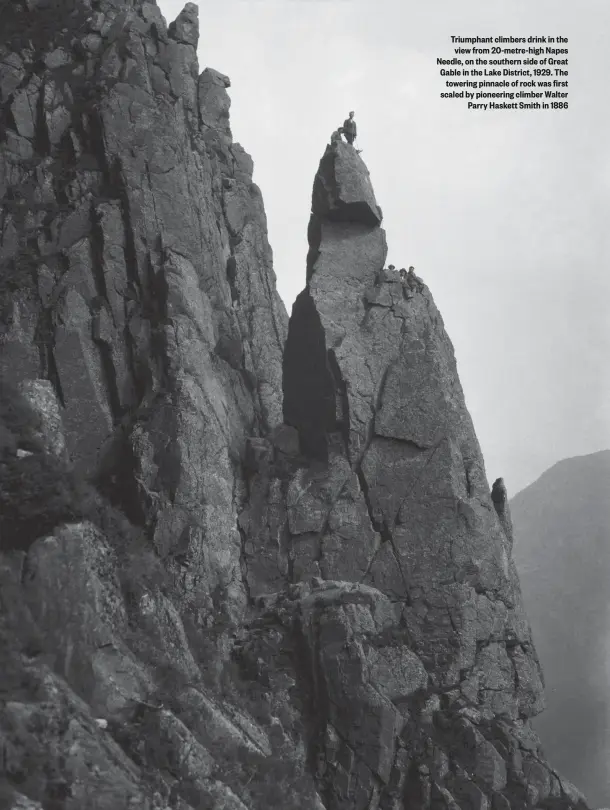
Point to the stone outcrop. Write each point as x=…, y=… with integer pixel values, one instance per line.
x=231, y=576
x=342, y=189
x=136, y=272
x=423, y=669
x=139, y=316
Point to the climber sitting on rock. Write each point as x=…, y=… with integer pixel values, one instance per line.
x=414, y=282
x=349, y=129
x=410, y=282
x=336, y=136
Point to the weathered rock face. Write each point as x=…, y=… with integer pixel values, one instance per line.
x=342, y=189
x=424, y=670
x=136, y=273
x=140, y=317
x=300, y=601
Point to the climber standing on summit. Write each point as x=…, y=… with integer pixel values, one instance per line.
x=349, y=129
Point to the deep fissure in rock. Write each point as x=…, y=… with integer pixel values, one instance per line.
x=309, y=391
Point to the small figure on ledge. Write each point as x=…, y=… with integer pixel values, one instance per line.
x=350, y=130
x=414, y=281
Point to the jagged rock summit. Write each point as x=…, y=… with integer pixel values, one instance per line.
x=210, y=597
x=449, y=682
x=342, y=188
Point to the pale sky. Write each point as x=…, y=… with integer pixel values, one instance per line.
x=504, y=214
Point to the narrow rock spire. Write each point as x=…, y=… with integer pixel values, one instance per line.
x=427, y=691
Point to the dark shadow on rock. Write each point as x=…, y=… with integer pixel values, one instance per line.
x=309, y=397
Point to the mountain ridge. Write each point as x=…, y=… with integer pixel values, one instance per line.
x=562, y=528
x=248, y=591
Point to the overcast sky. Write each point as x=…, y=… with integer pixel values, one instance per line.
x=505, y=214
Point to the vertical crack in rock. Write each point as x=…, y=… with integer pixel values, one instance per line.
x=367, y=358
x=380, y=525
x=318, y=613
x=309, y=391
x=53, y=375
x=341, y=399
x=116, y=290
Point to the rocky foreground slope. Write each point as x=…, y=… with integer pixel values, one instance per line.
x=562, y=525
x=232, y=577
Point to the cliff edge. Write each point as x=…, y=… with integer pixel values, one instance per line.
x=422, y=666
x=232, y=576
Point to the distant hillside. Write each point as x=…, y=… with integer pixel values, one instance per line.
x=562, y=552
